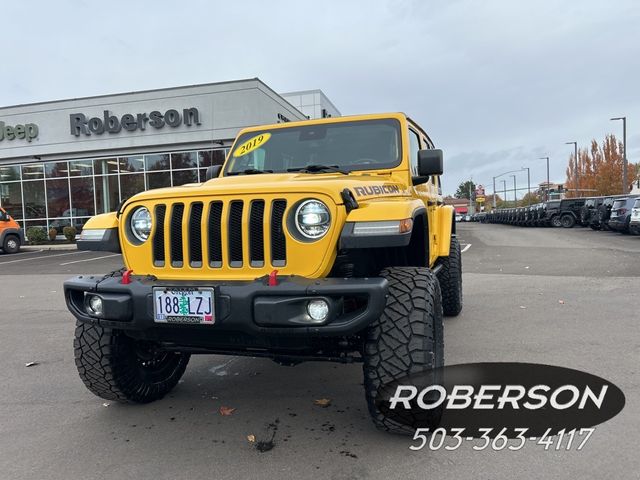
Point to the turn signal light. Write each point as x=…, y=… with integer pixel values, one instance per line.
x=406, y=225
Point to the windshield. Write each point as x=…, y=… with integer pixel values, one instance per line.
x=359, y=145
x=618, y=203
x=636, y=204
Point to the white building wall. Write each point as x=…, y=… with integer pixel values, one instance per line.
x=313, y=103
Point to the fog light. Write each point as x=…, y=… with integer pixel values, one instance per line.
x=318, y=310
x=94, y=306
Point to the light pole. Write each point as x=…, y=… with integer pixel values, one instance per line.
x=504, y=185
x=494, y=186
x=528, y=184
x=624, y=153
x=515, y=193
x=575, y=163
x=547, y=158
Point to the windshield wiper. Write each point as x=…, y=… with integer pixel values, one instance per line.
x=249, y=171
x=318, y=169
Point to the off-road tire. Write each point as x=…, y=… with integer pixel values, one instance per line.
x=450, y=278
x=406, y=339
x=111, y=366
x=11, y=244
x=555, y=221
x=567, y=221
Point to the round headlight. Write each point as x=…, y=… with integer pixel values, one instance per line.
x=141, y=224
x=312, y=219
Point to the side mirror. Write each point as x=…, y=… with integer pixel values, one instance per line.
x=213, y=172
x=429, y=163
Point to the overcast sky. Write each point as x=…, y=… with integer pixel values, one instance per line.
x=496, y=84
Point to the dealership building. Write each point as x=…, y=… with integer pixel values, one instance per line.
x=62, y=162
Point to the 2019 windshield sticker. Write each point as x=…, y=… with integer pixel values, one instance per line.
x=251, y=144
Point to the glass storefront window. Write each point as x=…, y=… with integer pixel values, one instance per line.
x=131, y=184
x=58, y=198
x=56, y=169
x=131, y=164
x=157, y=162
x=34, y=199
x=158, y=180
x=103, y=166
x=181, y=177
x=107, y=193
x=59, y=224
x=64, y=192
x=10, y=173
x=184, y=160
x=35, y=223
x=80, y=168
x=206, y=158
x=11, y=198
x=82, y=197
x=32, y=172
x=79, y=222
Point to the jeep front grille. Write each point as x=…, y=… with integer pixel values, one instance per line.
x=232, y=233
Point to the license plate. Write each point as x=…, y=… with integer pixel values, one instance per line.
x=191, y=306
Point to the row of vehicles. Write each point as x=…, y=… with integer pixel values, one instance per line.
x=614, y=212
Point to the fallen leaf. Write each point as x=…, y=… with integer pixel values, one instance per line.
x=561, y=302
x=527, y=267
x=322, y=402
x=523, y=307
x=31, y=364
x=226, y=411
x=251, y=438
x=105, y=404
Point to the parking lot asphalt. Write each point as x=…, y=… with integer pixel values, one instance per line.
x=554, y=296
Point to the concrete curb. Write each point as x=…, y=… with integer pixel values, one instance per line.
x=46, y=248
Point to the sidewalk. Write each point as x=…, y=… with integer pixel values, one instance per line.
x=60, y=246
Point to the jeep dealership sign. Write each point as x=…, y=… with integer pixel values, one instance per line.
x=27, y=132
x=80, y=124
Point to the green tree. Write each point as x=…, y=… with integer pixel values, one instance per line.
x=529, y=198
x=465, y=189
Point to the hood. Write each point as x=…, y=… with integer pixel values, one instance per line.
x=363, y=186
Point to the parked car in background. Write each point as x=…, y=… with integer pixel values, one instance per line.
x=567, y=212
x=620, y=218
x=551, y=210
x=591, y=204
x=11, y=235
x=60, y=223
x=459, y=217
x=600, y=220
x=634, y=223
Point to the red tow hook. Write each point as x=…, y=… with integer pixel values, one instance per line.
x=126, y=277
x=273, y=278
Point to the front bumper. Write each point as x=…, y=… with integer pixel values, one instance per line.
x=249, y=310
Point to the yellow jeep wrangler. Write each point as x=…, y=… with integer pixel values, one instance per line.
x=317, y=240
